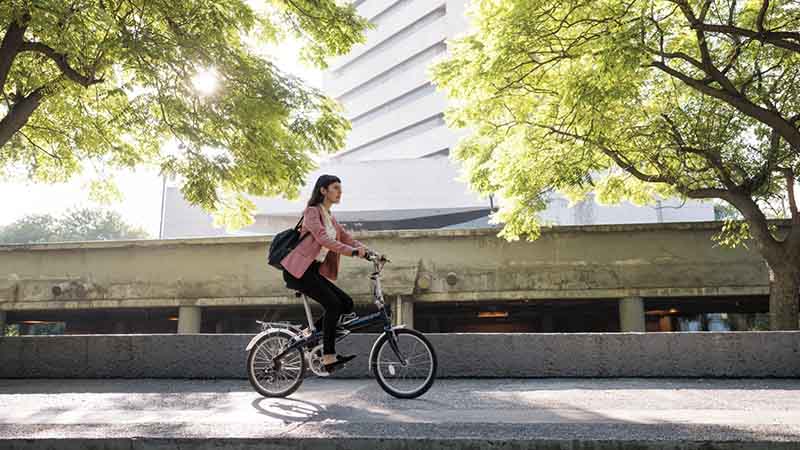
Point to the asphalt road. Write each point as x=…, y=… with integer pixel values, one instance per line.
x=622, y=409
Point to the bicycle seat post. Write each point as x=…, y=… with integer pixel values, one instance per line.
x=307, y=307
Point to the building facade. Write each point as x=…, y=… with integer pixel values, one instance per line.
x=384, y=86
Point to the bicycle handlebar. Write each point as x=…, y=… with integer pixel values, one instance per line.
x=376, y=257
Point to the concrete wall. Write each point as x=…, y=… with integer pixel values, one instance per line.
x=709, y=354
x=602, y=262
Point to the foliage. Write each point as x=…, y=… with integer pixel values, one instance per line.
x=734, y=233
x=635, y=99
x=74, y=225
x=111, y=81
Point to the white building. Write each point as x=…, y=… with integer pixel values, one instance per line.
x=395, y=168
x=383, y=84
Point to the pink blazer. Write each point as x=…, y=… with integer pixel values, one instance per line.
x=298, y=260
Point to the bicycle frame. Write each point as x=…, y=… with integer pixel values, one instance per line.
x=382, y=315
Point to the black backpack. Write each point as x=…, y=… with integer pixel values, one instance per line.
x=283, y=243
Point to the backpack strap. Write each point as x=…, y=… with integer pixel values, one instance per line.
x=297, y=227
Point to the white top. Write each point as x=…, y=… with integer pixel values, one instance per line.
x=330, y=230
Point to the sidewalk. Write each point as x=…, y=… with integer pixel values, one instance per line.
x=550, y=413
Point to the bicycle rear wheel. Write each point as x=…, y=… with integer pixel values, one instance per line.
x=275, y=380
x=408, y=380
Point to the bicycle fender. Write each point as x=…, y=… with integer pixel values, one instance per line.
x=259, y=336
x=375, y=344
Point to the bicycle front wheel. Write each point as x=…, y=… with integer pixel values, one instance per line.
x=414, y=375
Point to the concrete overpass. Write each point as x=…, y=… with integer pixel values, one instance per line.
x=628, y=263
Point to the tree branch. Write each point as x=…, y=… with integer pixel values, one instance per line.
x=761, y=15
x=677, y=55
x=39, y=147
x=774, y=120
x=776, y=38
x=61, y=61
x=708, y=64
x=788, y=173
x=19, y=114
x=616, y=157
x=711, y=157
x=759, y=226
x=764, y=174
x=705, y=193
x=10, y=46
x=704, y=10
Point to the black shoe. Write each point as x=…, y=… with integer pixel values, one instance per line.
x=340, y=361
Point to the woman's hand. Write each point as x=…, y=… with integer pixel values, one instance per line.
x=362, y=252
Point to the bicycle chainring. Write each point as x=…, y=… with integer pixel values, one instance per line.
x=315, y=362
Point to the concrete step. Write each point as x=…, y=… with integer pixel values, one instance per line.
x=328, y=443
x=508, y=414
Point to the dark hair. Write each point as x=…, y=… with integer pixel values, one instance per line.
x=322, y=182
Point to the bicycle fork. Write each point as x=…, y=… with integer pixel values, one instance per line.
x=396, y=348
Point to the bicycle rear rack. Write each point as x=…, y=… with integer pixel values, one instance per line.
x=285, y=325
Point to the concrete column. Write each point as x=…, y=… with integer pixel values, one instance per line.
x=407, y=312
x=397, y=306
x=631, y=314
x=2, y=323
x=403, y=312
x=189, y=319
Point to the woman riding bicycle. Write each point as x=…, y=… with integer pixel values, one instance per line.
x=312, y=266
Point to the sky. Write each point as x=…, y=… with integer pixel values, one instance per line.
x=141, y=189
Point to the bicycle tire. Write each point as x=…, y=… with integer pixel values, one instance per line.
x=384, y=340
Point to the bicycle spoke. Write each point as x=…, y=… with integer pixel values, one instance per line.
x=418, y=356
x=262, y=351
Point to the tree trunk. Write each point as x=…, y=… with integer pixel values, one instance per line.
x=782, y=258
x=784, y=297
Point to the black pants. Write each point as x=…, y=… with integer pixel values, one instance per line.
x=335, y=301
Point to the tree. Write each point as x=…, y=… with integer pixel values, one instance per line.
x=29, y=229
x=75, y=225
x=636, y=99
x=111, y=80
